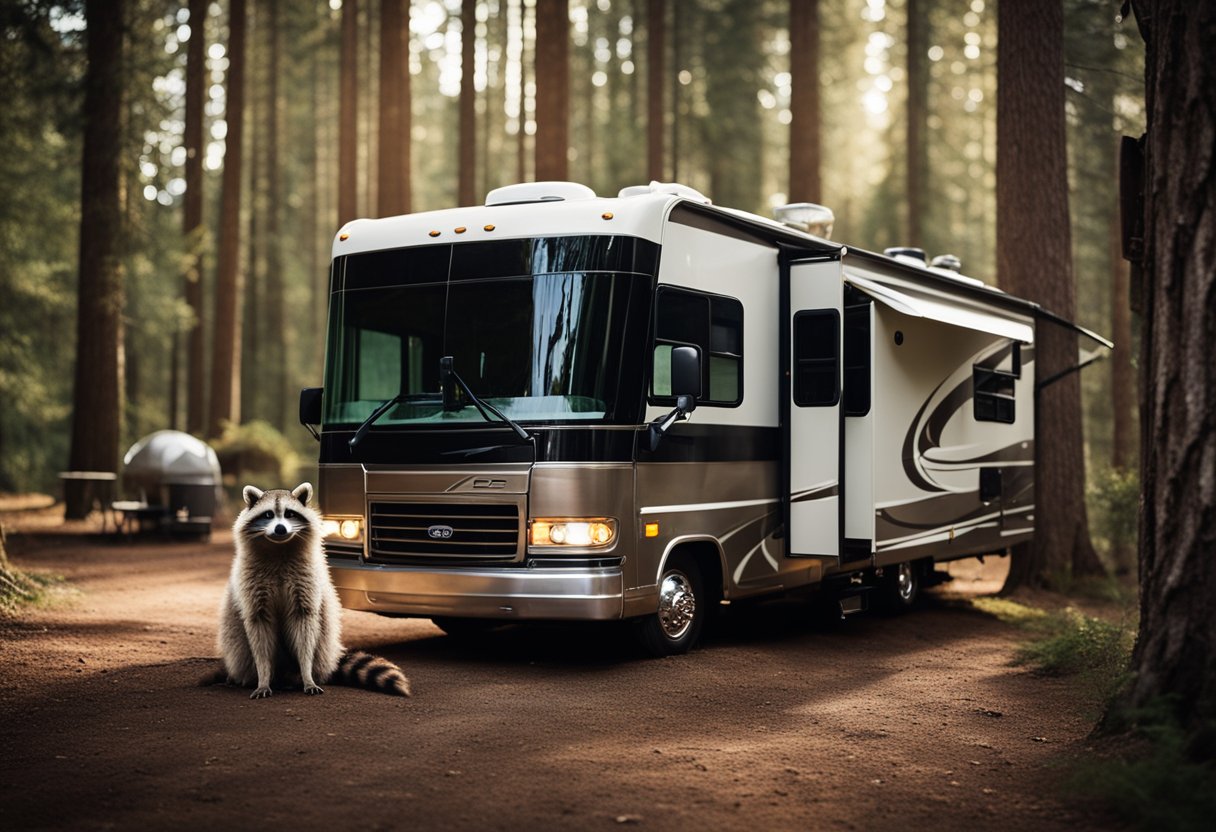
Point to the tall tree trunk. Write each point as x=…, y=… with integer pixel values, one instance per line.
x=1032, y=216
x=521, y=148
x=251, y=329
x=805, y=153
x=678, y=12
x=273, y=358
x=1175, y=655
x=97, y=398
x=192, y=214
x=467, y=186
x=1122, y=382
x=918, y=114
x=656, y=44
x=394, y=179
x=348, y=116
x=226, y=347
x=552, y=89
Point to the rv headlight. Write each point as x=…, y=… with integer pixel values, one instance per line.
x=585, y=532
x=343, y=528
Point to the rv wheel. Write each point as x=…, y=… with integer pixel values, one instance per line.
x=677, y=624
x=901, y=586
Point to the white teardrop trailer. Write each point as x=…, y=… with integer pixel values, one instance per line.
x=562, y=407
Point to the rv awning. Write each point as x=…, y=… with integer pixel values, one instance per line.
x=940, y=309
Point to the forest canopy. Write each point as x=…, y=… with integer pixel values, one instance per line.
x=725, y=86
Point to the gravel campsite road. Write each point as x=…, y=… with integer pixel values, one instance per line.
x=777, y=722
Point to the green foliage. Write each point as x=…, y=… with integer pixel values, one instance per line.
x=19, y=588
x=1069, y=643
x=39, y=167
x=1158, y=783
x=255, y=448
x=1114, y=500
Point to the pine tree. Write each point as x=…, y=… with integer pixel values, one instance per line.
x=97, y=399
x=1032, y=215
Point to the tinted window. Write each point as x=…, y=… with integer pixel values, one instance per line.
x=713, y=324
x=817, y=358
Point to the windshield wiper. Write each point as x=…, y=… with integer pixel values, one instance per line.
x=422, y=398
x=446, y=372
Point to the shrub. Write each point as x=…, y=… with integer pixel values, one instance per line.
x=255, y=448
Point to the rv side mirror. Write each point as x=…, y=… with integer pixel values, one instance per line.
x=310, y=407
x=686, y=373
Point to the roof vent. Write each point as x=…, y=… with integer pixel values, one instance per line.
x=807, y=217
x=907, y=254
x=671, y=188
x=947, y=261
x=538, y=192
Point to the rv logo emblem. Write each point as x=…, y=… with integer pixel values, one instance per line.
x=439, y=532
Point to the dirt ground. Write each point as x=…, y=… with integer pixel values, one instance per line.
x=779, y=721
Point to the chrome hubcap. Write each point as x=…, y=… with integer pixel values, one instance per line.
x=677, y=605
x=906, y=585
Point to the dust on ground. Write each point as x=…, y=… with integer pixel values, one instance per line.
x=780, y=721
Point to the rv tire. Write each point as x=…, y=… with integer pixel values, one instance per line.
x=901, y=584
x=683, y=606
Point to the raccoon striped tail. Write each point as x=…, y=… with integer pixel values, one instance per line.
x=363, y=670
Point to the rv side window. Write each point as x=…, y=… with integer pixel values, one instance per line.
x=993, y=395
x=817, y=358
x=712, y=323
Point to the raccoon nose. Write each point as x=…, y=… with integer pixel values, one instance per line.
x=280, y=529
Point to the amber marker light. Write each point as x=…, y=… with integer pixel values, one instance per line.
x=344, y=237
x=434, y=233
x=607, y=215
x=583, y=532
x=461, y=230
x=489, y=228
x=652, y=529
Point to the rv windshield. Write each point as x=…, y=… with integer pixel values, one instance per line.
x=537, y=328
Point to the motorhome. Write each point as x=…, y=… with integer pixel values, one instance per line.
x=556, y=406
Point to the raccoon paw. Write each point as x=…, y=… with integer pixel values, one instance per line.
x=261, y=693
x=313, y=690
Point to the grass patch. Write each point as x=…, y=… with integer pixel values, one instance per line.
x=1069, y=643
x=22, y=589
x=1156, y=783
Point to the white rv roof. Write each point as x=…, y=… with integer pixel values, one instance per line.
x=635, y=216
x=945, y=309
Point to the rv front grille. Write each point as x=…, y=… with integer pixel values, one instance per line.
x=447, y=532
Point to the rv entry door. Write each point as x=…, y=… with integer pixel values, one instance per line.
x=814, y=426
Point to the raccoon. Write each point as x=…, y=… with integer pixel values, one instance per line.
x=280, y=621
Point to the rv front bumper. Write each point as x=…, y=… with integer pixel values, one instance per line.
x=571, y=594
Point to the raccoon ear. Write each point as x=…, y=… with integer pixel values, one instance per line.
x=252, y=495
x=303, y=492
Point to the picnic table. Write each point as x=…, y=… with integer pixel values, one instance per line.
x=85, y=490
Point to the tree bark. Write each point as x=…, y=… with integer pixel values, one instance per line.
x=1175, y=655
x=1034, y=261
x=393, y=184
x=918, y=114
x=97, y=397
x=805, y=152
x=226, y=347
x=348, y=116
x=656, y=44
x=192, y=215
x=467, y=176
x=273, y=356
x=552, y=89
x=1122, y=382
